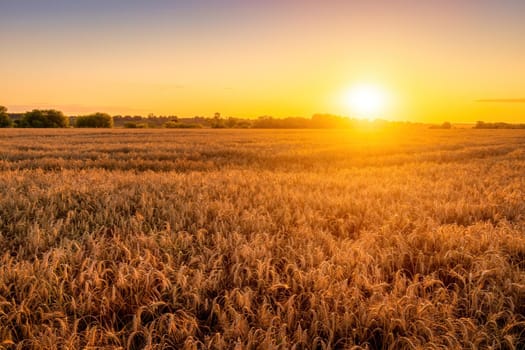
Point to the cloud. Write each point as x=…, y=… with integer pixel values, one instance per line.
x=502, y=100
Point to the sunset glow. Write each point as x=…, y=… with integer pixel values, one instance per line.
x=262, y=174
x=366, y=101
x=279, y=58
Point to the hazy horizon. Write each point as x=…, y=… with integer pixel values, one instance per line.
x=450, y=60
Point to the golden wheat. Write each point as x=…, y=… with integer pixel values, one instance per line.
x=221, y=239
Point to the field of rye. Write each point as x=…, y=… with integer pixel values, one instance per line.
x=245, y=239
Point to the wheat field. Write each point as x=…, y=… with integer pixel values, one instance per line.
x=399, y=238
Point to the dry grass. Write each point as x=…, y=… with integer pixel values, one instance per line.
x=262, y=239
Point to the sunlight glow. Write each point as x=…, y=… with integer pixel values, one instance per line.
x=365, y=100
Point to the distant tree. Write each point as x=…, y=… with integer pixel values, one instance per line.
x=133, y=125
x=446, y=125
x=480, y=125
x=231, y=122
x=217, y=122
x=243, y=124
x=49, y=118
x=498, y=125
x=96, y=120
x=5, y=120
x=177, y=125
x=327, y=121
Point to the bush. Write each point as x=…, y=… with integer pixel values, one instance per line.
x=499, y=125
x=5, y=121
x=177, y=125
x=97, y=120
x=131, y=125
x=445, y=125
x=49, y=118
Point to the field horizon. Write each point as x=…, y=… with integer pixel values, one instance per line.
x=277, y=174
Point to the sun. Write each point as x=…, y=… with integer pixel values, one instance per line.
x=365, y=100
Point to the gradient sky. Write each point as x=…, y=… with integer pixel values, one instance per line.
x=439, y=60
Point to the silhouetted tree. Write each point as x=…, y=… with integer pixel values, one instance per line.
x=498, y=125
x=96, y=120
x=445, y=125
x=5, y=120
x=49, y=118
x=231, y=122
x=177, y=125
x=135, y=125
x=330, y=121
x=217, y=123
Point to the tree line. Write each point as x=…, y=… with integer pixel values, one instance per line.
x=56, y=119
x=51, y=118
x=498, y=125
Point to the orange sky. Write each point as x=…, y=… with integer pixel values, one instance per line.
x=435, y=59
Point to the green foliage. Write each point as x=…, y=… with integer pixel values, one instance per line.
x=48, y=118
x=96, y=120
x=5, y=121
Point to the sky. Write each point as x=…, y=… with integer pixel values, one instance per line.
x=445, y=60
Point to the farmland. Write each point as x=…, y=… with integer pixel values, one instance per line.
x=393, y=238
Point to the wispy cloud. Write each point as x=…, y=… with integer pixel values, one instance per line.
x=502, y=100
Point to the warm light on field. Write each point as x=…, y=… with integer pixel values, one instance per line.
x=366, y=100
x=202, y=239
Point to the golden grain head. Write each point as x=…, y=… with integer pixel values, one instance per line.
x=255, y=239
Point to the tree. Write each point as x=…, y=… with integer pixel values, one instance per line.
x=218, y=125
x=134, y=125
x=217, y=122
x=96, y=120
x=5, y=121
x=48, y=118
x=480, y=125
